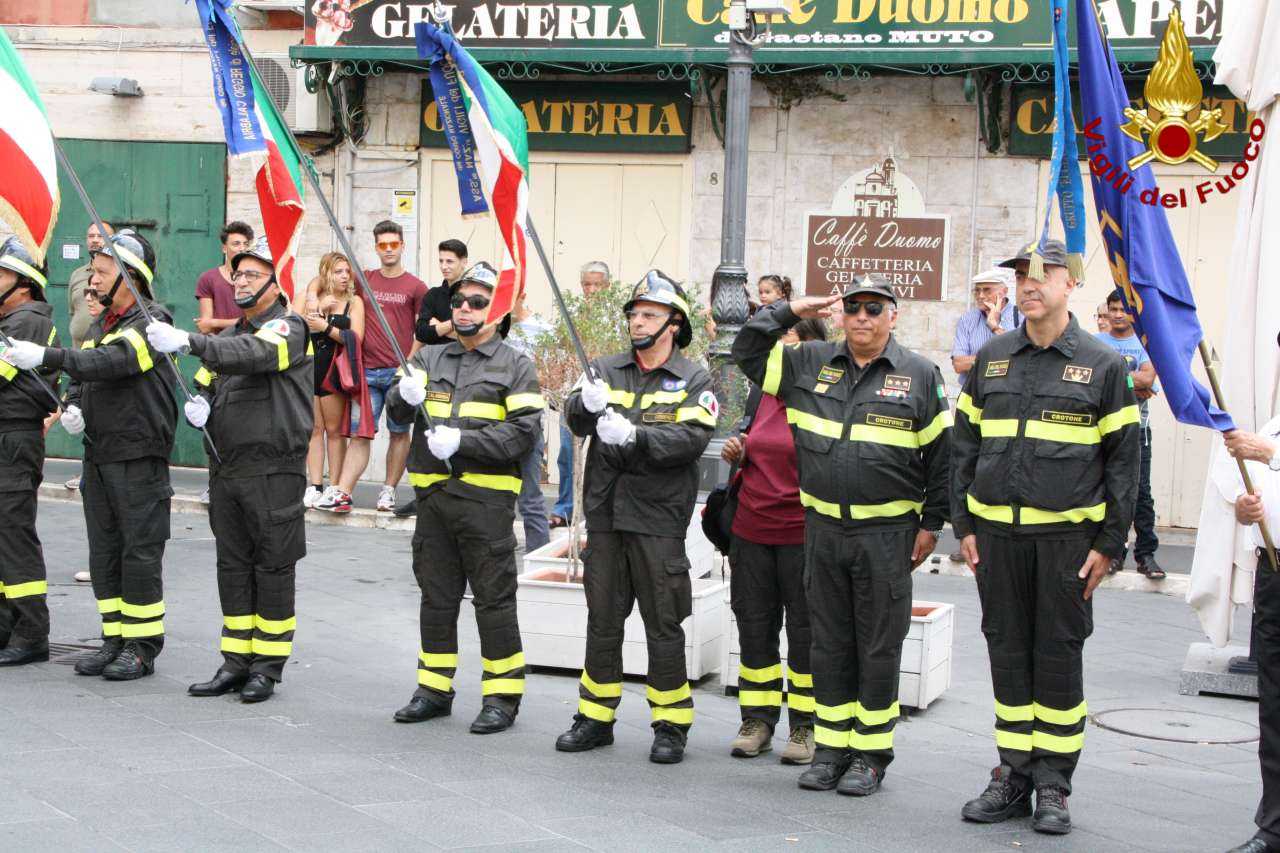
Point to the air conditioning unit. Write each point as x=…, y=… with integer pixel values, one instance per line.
x=304, y=112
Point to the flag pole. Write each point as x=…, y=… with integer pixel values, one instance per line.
x=8, y=341
x=125, y=276
x=1244, y=472
x=555, y=288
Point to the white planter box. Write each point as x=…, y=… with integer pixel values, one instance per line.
x=926, y=653
x=553, y=618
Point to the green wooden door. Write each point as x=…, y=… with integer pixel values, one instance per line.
x=175, y=195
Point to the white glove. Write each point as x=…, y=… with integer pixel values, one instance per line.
x=595, y=394
x=443, y=441
x=166, y=338
x=72, y=421
x=196, y=410
x=613, y=428
x=412, y=391
x=24, y=355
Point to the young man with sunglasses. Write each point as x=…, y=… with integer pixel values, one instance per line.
x=399, y=294
x=872, y=436
x=485, y=410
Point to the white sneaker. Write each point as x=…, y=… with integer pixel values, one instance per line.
x=387, y=499
x=312, y=496
x=204, y=496
x=72, y=484
x=83, y=577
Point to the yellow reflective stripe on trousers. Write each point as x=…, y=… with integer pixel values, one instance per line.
x=1013, y=740
x=871, y=743
x=142, y=629
x=435, y=680
x=508, y=686
x=111, y=629
x=275, y=626
x=999, y=428
x=1067, y=433
x=796, y=702
x=1055, y=743
x=824, y=736
x=282, y=347
x=882, y=435
x=438, y=660
x=813, y=423
x=763, y=675
x=668, y=697
x=1014, y=713
x=656, y=398
x=238, y=623
x=885, y=510
x=696, y=414
x=675, y=716
x=236, y=647
x=773, y=370
x=525, y=401
x=142, y=611
x=875, y=718
x=604, y=691
x=942, y=421
x=272, y=648
x=819, y=505
x=497, y=667
x=1031, y=515
x=799, y=679
x=756, y=698
x=1002, y=514
x=1068, y=717
x=24, y=590
x=7, y=370
x=1117, y=419
x=134, y=337
x=108, y=605
x=484, y=411
x=595, y=711
x=834, y=713
x=965, y=404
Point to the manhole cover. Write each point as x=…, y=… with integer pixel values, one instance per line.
x=1180, y=726
x=68, y=653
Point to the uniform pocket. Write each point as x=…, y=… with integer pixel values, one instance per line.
x=1069, y=465
x=813, y=442
x=285, y=536
x=679, y=586
x=1074, y=620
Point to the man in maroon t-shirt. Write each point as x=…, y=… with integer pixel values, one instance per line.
x=214, y=293
x=400, y=296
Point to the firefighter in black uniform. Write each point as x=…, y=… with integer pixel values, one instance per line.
x=25, y=402
x=650, y=413
x=1044, y=479
x=121, y=397
x=872, y=434
x=256, y=387
x=486, y=411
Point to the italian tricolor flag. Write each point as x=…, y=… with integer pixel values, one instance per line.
x=279, y=184
x=29, y=187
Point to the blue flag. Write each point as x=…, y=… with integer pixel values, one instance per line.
x=1136, y=238
x=1064, y=175
x=232, y=79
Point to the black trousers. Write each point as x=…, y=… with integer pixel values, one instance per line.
x=457, y=541
x=126, y=511
x=1266, y=650
x=768, y=582
x=23, y=584
x=260, y=533
x=1144, y=512
x=621, y=570
x=858, y=585
x=1036, y=619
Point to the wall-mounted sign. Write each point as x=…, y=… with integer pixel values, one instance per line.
x=877, y=224
x=924, y=26
x=1031, y=121
x=586, y=116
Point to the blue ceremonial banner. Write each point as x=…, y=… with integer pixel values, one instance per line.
x=1064, y=179
x=452, y=107
x=1136, y=237
x=232, y=81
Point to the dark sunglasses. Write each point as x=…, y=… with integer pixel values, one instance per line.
x=475, y=301
x=873, y=309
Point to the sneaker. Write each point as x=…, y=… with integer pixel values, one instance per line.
x=72, y=484
x=1006, y=796
x=83, y=577
x=799, y=748
x=956, y=556
x=387, y=499
x=312, y=496
x=1051, y=814
x=754, y=737
x=204, y=496
x=334, y=500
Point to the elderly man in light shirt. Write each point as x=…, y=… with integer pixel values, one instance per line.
x=993, y=313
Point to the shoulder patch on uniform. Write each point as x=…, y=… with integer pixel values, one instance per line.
x=888, y=422
x=997, y=368
x=830, y=375
x=670, y=384
x=1069, y=418
x=708, y=401
x=1076, y=373
x=279, y=326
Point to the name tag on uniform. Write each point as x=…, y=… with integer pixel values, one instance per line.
x=440, y=396
x=997, y=368
x=1069, y=418
x=1076, y=373
x=659, y=417
x=889, y=422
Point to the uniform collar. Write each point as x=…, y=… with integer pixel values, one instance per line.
x=44, y=309
x=1065, y=344
x=677, y=365
x=486, y=349
x=891, y=353
x=275, y=311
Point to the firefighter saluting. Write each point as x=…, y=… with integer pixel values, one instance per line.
x=121, y=397
x=650, y=413
x=256, y=386
x=486, y=411
x=872, y=433
x=24, y=404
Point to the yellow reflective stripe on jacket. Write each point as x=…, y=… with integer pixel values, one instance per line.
x=498, y=667
x=88, y=345
x=604, y=691
x=421, y=481
x=942, y=421
x=773, y=370
x=7, y=370
x=498, y=482
x=525, y=401
x=485, y=411
x=696, y=414
x=142, y=611
x=1068, y=717
x=1117, y=419
x=668, y=697
x=275, y=626
x=53, y=333
x=763, y=675
x=622, y=398
x=1031, y=515
x=965, y=404
x=23, y=590
x=657, y=398
x=883, y=435
x=813, y=423
x=238, y=623
x=282, y=347
x=204, y=377
x=439, y=660
x=134, y=337
x=1014, y=713
x=1003, y=514
x=1068, y=433
x=440, y=410
x=819, y=505
x=998, y=428
x=885, y=510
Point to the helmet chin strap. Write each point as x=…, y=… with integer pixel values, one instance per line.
x=8, y=293
x=649, y=340
x=250, y=301
x=468, y=331
x=105, y=301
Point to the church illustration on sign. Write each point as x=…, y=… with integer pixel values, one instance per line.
x=876, y=195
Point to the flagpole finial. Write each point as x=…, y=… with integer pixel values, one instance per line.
x=440, y=13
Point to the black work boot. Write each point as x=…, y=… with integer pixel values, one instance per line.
x=825, y=772
x=1006, y=796
x=408, y=509
x=222, y=683
x=420, y=709
x=1254, y=845
x=668, y=744
x=259, y=688
x=95, y=663
x=21, y=651
x=585, y=734
x=492, y=719
x=129, y=665
x=1051, y=814
x=861, y=779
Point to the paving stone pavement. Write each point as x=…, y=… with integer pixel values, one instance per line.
x=90, y=765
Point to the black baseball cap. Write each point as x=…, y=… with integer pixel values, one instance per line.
x=870, y=283
x=1054, y=254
